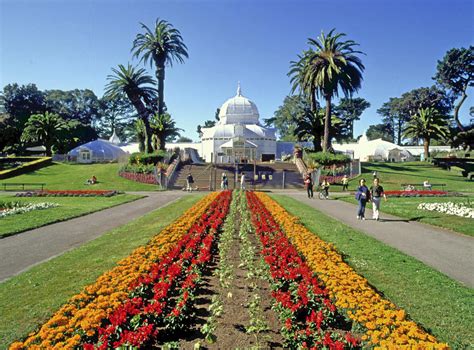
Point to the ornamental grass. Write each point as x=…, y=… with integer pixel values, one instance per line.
x=84, y=312
x=386, y=325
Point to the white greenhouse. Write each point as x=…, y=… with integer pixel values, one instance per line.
x=97, y=151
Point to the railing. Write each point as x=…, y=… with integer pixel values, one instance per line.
x=171, y=174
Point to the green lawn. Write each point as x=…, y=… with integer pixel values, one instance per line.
x=69, y=207
x=407, y=208
x=61, y=176
x=30, y=298
x=392, y=175
x=440, y=304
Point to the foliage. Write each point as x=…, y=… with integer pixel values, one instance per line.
x=163, y=129
x=349, y=110
x=45, y=129
x=455, y=72
x=284, y=117
x=207, y=124
x=427, y=124
x=119, y=115
x=380, y=131
x=328, y=158
x=138, y=168
x=29, y=164
x=147, y=158
x=184, y=139
x=397, y=111
x=161, y=46
x=80, y=105
x=135, y=84
x=329, y=65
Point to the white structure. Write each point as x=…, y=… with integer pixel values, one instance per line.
x=378, y=149
x=97, y=151
x=115, y=139
x=238, y=136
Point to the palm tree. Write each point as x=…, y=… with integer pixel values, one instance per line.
x=44, y=128
x=164, y=130
x=134, y=83
x=161, y=46
x=330, y=66
x=427, y=124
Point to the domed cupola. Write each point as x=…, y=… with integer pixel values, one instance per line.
x=238, y=110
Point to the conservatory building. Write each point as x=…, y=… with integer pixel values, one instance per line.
x=238, y=135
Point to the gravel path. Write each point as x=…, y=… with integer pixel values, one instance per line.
x=22, y=251
x=448, y=252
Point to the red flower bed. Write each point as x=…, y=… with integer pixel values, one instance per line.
x=416, y=193
x=304, y=305
x=69, y=193
x=138, y=177
x=160, y=299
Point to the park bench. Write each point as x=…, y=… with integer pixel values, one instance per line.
x=22, y=186
x=415, y=186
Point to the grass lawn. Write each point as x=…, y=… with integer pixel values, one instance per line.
x=29, y=299
x=69, y=207
x=392, y=175
x=407, y=208
x=440, y=304
x=61, y=176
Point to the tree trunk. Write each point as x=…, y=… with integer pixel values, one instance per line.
x=457, y=108
x=313, y=102
x=160, y=77
x=426, y=145
x=143, y=113
x=327, y=125
x=399, y=136
x=317, y=142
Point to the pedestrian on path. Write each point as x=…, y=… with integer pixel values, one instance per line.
x=376, y=193
x=242, y=182
x=189, y=183
x=224, y=181
x=363, y=196
x=308, y=182
x=325, y=188
x=345, y=183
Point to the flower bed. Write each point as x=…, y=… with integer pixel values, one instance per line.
x=82, y=315
x=139, y=177
x=303, y=304
x=416, y=193
x=20, y=208
x=385, y=325
x=464, y=210
x=69, y=193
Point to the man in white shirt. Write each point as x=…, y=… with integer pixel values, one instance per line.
x=242, y=181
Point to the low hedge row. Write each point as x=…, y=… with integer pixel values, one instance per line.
x=33, y=163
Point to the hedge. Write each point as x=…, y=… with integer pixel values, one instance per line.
x=33, y=163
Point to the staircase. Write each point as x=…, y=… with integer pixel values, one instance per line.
x=202, y=173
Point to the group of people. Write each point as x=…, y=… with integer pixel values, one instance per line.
x=309, y=184
x=224, y=182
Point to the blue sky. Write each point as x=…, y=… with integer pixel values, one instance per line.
x=74, y=44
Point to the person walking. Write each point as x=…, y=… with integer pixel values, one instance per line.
x=363, y=196
x=308, y=182
x=189, y=183
x=345, y=183
x=376, y=194
x=242, y=181
x=224, y=181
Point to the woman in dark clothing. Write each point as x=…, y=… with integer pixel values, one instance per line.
x=362, y=196
x=308, y=182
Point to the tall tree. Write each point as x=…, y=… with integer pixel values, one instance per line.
x=164, y=130
x=332, y=65
x=284, y=117
x=135, y=84
x=161, y=46
x=80, y=105
x=349, y=110
x=455, y=72
x=207, y=124
x=44, y=128
x=427, y=124
x=116, y=114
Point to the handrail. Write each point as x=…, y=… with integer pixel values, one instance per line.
x=170, y=177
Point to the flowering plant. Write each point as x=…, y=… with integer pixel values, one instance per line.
x=69, y=193
x=416, y=193
x=20, y=208
x=464, y=210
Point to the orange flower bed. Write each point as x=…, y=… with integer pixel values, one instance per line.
x=386, y=325
x=83, y=313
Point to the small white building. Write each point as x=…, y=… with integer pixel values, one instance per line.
x=97, y=151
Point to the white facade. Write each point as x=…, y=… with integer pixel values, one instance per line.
x=238, y=135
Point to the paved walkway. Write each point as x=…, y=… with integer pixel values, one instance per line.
x=446, y=251
x=22, y=251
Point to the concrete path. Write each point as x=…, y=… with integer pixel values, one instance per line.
x=24, y=250
x=446, y=251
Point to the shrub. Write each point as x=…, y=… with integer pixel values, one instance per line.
x=25, y=165
x=328, y=158
x=140, y=158
x=138, y=168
